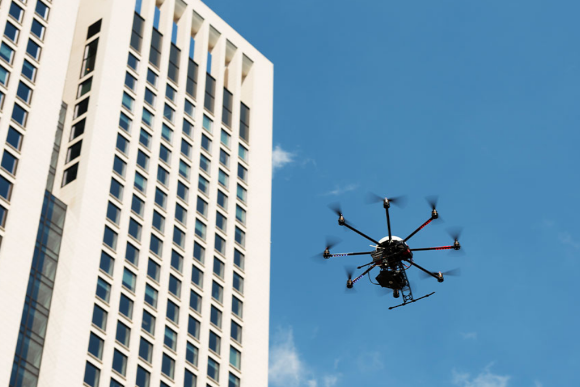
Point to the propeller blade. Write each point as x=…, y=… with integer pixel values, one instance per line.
x=399, y=201
x=452, y=273
x=331, y=241
x=349, y=270
x=432, y=200
x=373, y=198
x=455, y=233
x=336, y=208
x=381, y=292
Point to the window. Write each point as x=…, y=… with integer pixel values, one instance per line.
x=234, y=381
x=153, y=270
x=150, y=97
x=19, y=115
x=235, y=358
x=239, y=259
x=14, y=138
x=236, y=332
x=110, y=238
x=170, y=93
x=147, y=117
x=176, y=261
x=4, y=76
x=119, y=362
x=240, y=214
x=140, y=182
x=227, y=108
x=103, y=290
x=5, y=188
x=38, y=29
x=41, y=9
x=160, y=198
x=158, y=221
x=145, y=138
x=114, y=383
x=6, y=53
x=174, y=56
x=125, y=122
x=169, y=113
x=132, y=254
x=238, y=282
x=89, y=57
x=221, y=221
x=9, y=162
x=148, y=323
x=151, y=296
x=152, y=78
x=244, y=122
x=126, y=306
x=122, y=143
x=223, y=178
x=94, y=29
x=237, y=306
x=16, y=12
x=198, y=252
x=220, y=244
x=240, y=237
x=92, y=373
x=200, y=229
x=216, y=317
x=187, y=128
x=11, y=32
x=155, y=52
x=207, y=123
x=166, y=132
x=119, y=166
x=146, y=350
x=195, y=301
x=172, y=312
x=137, y=205
x=193, y=327
x=189, y=108
x=128, y=101
x=28, y=70
x=174, y=286
x=197, y=276
x=191, y=85
x=225, y=138
x=178, y=237
x=213, y=369
x=218, y=267
x=209, y=100
x=186, y=149
x=191, y=354
x=137, y=37
x=165, y=154
x=107, y=263
x=143, y=377
x=206, y=143
x=222, y=200
x=170, y=338
x=129, y=280
x=242, y=193
x=203, y=185
x=184, y=170
x=156, y=245
x=123, y=334
x=217, y=292
x=96, y=345
x=162, y=176
x=133, y=62
x=180, y=214
x=113, y=213
x=214, y=342
x=242, y=172
x=100, y=317
x=81, y=108
x=130, y=81
x=116, y=189
x=202, y=206
x=142, y=160
x=182, y=191
x=168, y=366
x=204, y=163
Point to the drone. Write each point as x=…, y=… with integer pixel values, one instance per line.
x=392, y=255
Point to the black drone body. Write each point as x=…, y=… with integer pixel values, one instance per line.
x=393, y=257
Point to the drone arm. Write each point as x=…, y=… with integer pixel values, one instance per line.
x=388, y=223
x=419, y=229
x=347, y=254
x=365, y=272
x=360, y=233
x=423, y=269
x=437, y=248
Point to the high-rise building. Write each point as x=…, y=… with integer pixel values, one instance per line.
x=135, y=191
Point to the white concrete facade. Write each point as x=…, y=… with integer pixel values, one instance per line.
x=236, y=66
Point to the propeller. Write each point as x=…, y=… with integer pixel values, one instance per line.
x=331, y=241
x=432, y=200
x=349, y=270
x=455, y=234
x=399, y=201
x=336, y=208
x=452, y=273
x=381, y=292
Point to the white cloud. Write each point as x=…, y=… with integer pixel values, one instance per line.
x=469, y=335
x=281, y=158
x=538, y=384
x=484, y=379
x=370, y=361
x=340, y=190
x=286, y=368
x=567, y=239
x=330, y=380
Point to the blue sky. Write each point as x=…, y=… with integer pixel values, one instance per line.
x=476, y=101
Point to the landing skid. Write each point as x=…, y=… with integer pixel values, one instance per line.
x=411, y=301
